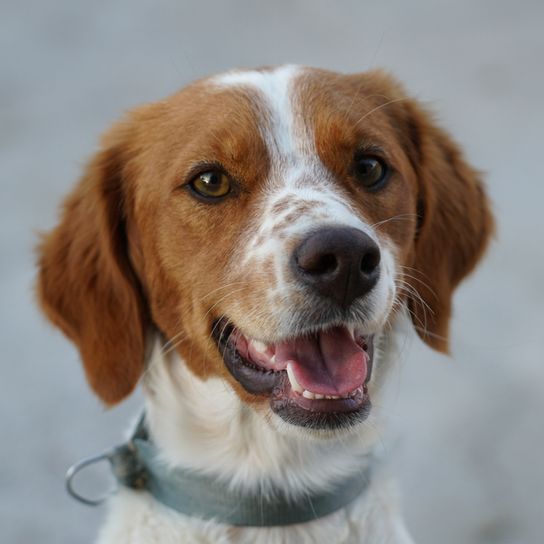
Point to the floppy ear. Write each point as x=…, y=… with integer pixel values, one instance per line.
x=455, y=224
x=86, y=284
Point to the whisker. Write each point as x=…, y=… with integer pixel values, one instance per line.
x=432, y=334
x=394, y=218
x=393, y=101
x=409, y=290
x=165, y=347
x=415, y=271
x=233, y=292
x=365, y=100
x=425, y=284
x=175, y=341
x=222, y=287
x=422, y=326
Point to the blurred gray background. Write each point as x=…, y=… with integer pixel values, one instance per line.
x=466, y=433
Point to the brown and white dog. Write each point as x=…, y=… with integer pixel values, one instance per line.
x=247, y=246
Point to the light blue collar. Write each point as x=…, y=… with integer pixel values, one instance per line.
x=136, y=465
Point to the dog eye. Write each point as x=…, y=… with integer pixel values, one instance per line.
x=370, y=171
x=212, y=184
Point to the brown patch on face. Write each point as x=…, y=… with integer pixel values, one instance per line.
x=105, y=287
x=348, y=116
x=192, y=242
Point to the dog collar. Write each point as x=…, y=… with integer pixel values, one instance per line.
x=137, y=465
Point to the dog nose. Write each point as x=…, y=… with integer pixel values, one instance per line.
x=341, y=263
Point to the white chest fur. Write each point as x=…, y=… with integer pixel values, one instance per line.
x=246, y=450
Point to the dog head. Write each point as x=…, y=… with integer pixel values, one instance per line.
x=269, y=224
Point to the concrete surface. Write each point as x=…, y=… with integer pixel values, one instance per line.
x=469, y=456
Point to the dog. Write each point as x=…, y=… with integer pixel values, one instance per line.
x=246, y=249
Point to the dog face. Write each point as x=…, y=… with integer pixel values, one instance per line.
x=269, y=224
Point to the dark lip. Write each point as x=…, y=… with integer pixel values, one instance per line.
x=311, y=413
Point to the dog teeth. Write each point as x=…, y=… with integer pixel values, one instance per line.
x=314, y=396
x=260, y=347
x=295, y=386
x=318, y=396
x=355, y=392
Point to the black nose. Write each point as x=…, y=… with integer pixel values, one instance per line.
x=340, y=263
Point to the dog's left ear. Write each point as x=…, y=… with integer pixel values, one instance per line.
x=454, y=221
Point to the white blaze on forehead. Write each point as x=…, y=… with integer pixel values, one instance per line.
x=296, y=169
x=297, y=173
x=279, y=130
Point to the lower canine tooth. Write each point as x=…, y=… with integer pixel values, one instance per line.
x=308, y=394
x=295, y=386
x=259, y=346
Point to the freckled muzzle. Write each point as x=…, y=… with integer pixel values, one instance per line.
x=317, y=380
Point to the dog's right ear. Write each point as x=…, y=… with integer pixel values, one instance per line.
x=86, y=284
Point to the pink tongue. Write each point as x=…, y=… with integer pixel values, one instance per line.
x=330, y=363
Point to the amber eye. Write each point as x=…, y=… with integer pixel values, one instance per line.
x=370, y=171
x=212, y=184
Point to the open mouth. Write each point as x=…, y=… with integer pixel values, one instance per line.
x=317, y=380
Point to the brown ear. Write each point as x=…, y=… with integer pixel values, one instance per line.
x=86, y=284
x=455, y=224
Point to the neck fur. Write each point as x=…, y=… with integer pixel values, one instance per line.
x=204, y=426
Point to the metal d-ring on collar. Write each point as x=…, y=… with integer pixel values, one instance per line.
x=124, y=464
x=77, y=467
x=137, y=465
